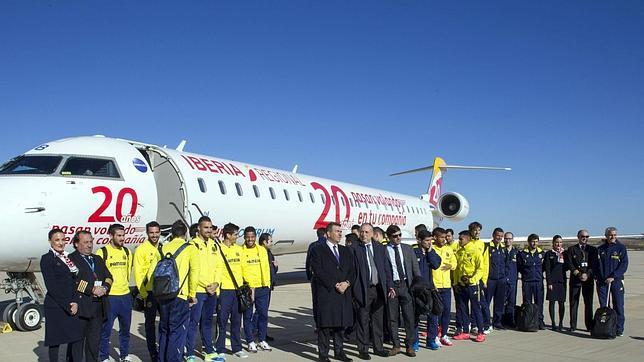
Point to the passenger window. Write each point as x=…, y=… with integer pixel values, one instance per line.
x=286, y=195
x=333, y=200
x=299, y=196
x=312, y=197
x=272, y=192
x=351, y=202
x=322, y=198
x=342, y=201
x=238, y=186
x=256, y=190
x=202, y=185
x=222, y=187
x=94, y=167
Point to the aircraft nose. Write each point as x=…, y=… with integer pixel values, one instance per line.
x=23, y=219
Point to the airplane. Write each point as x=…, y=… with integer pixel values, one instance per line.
x=90, y=182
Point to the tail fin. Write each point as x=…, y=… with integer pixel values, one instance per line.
x=439, y=168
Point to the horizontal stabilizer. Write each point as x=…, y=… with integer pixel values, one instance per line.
x=427, y=168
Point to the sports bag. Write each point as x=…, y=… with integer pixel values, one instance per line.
x=165, y=278
x=527, y=317
x=605, y=321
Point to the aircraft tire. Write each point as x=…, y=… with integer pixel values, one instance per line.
x=29, y=317
x=9, y=315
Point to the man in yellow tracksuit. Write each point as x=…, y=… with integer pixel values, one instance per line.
x=146, y=257
x=119, y=263
x=228, y=300
x=175, y=313
x=257, y=273
x=202, y=312
x=443, y=282
x=484, y=248
x=468, y=274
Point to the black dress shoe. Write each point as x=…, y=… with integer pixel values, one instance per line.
x=382, y=353
x=324, y=359
x=343, y=357
x=572, y=329
x=364, y=355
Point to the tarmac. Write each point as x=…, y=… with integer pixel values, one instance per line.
x=291, y=325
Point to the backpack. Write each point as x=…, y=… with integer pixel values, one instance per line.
x=165, y=278
x=527, y=317
x=604, y=322
x=103, y=251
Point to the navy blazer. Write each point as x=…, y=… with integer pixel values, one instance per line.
x=363, y=278
x=88, y=305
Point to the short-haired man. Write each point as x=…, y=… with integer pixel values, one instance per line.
x=321, y=239
x=146, y=257
x=379, y=235
x=207, y=252
x=118, y=262
x=497, y=278
x=611, y=265
x=256, y=270
x=530, y=263
x=468, y=274
x=266, y=240
x=334, y=271
x=580, y=260
x=94, y=281
x=370, y=292
x=428, y=261
x=175, y=313
x=228, y=300
x=484, y=248
x=355, y=229
x=443, y=283
x=404, y=268
x=511, y=280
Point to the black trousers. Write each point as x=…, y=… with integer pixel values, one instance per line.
x=370, y=320
x=587, y=289
x=404, y=303
x=91, y=328
x=324, y=336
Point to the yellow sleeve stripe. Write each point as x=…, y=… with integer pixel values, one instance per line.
x=82, y=286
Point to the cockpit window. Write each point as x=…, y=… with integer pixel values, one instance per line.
x=94, y=167
x=31, y=165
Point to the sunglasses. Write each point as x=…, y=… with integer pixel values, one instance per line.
x=396, y=235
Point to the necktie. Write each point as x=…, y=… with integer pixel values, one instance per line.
x=90, y=261
x=372, y=266
x=401, y=273
x=335, y=252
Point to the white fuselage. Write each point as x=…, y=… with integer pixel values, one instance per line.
x=146, y=182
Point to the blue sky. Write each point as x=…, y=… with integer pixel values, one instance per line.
x=354, y=91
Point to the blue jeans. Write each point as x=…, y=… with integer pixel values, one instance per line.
x=256, y=321
x=432, y=328
x=175, y=315
x=229, y=309
x=150, y=313
x=201, y=315
x=121, y=308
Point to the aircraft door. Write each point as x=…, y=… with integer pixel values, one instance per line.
x=171, y=194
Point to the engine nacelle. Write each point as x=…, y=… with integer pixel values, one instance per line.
x=453, y=206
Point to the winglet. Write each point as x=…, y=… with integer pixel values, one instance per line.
x=294, y=169
x=181, y=145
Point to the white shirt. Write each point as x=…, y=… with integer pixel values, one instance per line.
x=392, y=258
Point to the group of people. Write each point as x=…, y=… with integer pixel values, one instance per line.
x=368, y=288
x=87, y=292
x=373, y=285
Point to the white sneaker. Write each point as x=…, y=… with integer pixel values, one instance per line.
x=126, y=359
x=242, y=354
x=264, y=346
x=252, y=347
x=438, y=341
x=488, y=330
x=474, y=330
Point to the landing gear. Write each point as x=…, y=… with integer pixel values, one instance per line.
x=26, y=313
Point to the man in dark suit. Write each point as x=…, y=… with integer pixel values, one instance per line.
x=580, y=258
x=404, y=269
x=370, y=291
x=93, y=283
x=334, y=273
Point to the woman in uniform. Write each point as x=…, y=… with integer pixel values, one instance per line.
x=555, y=269
x=62, y=326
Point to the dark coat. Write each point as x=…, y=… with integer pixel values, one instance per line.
x=60, y=326
x=363, y=277
x=89, y=306
x=555, y=271
x=333, y=309
x=581, y=261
